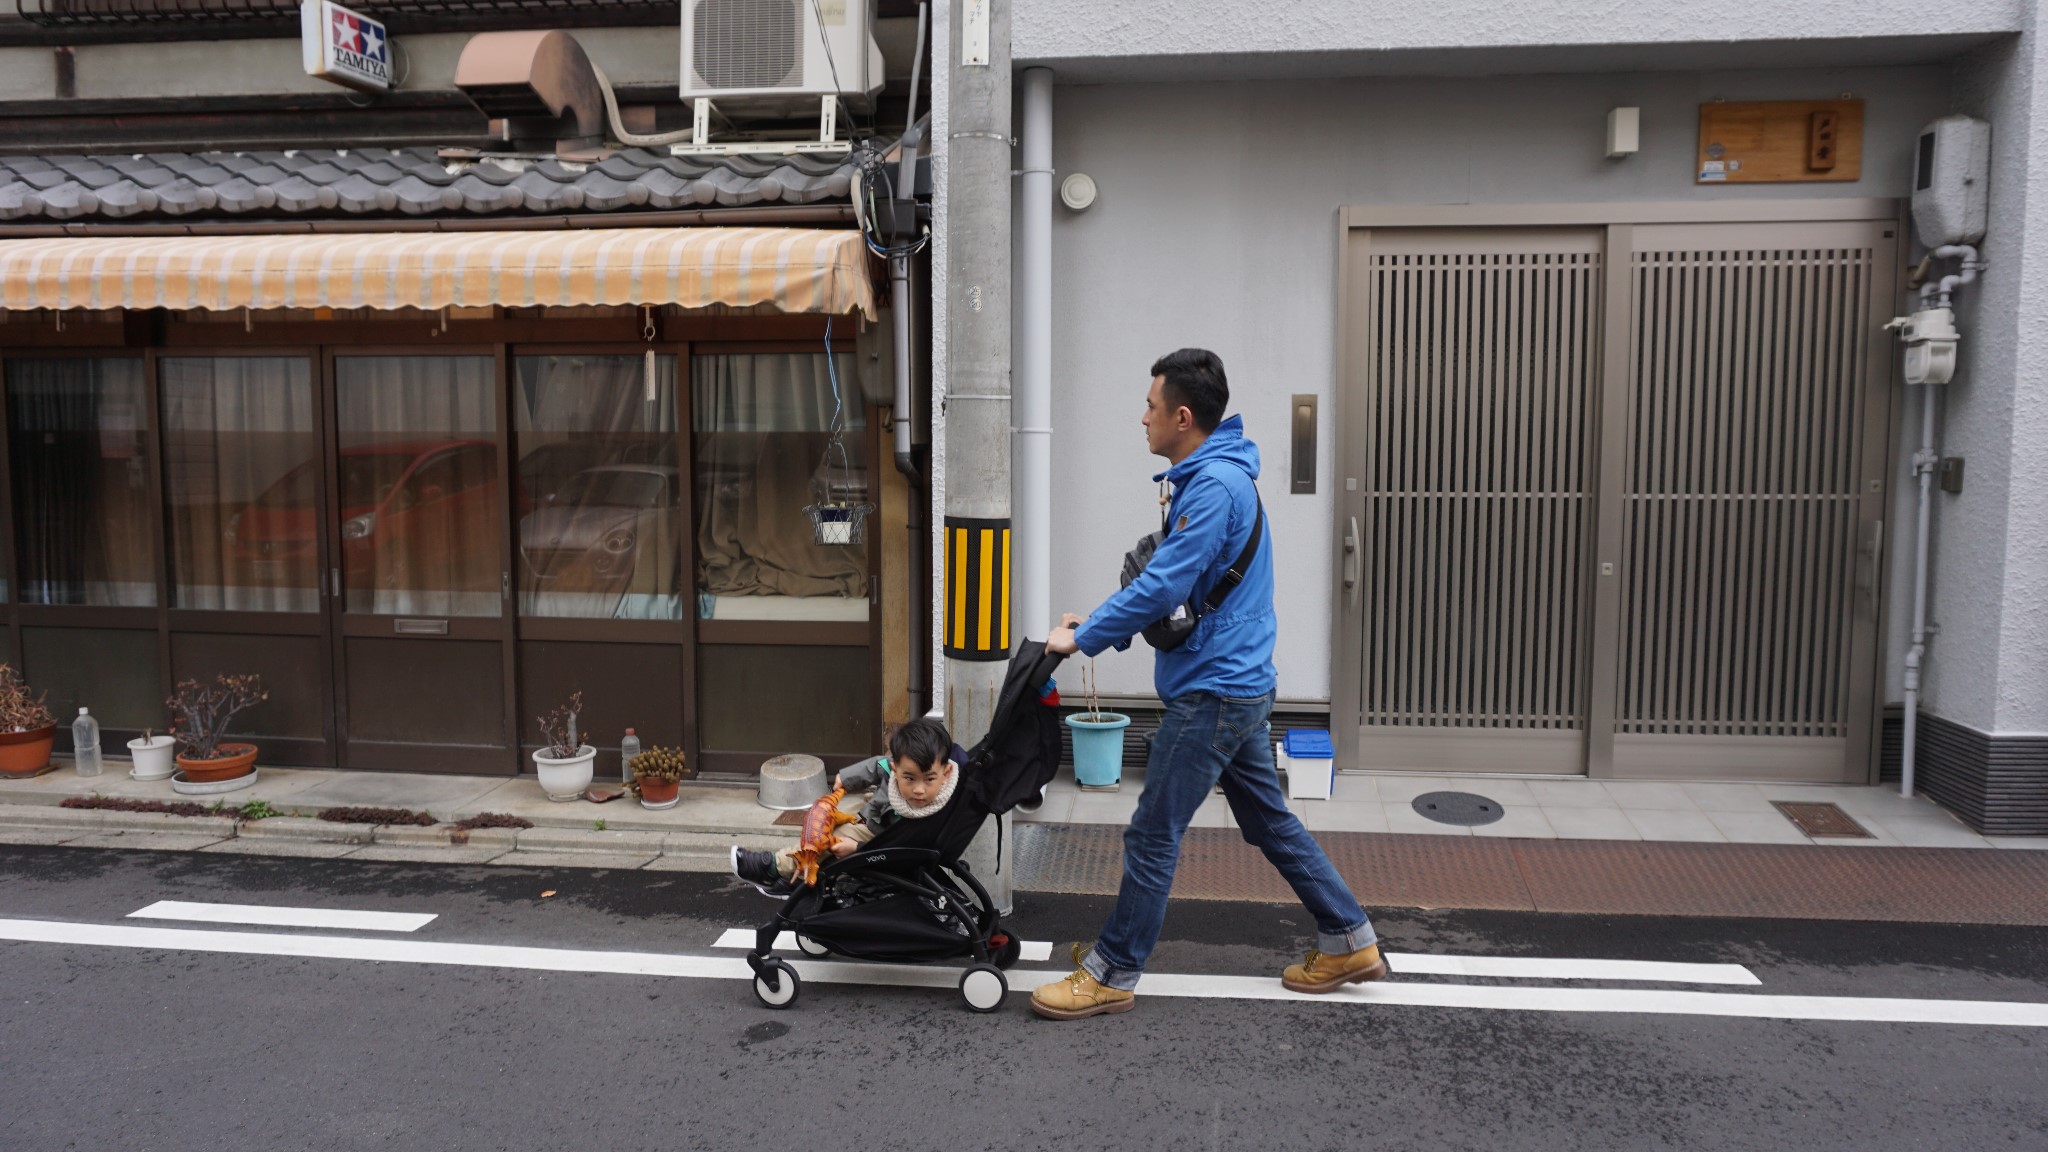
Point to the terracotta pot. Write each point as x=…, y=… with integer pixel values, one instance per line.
x=26, y=753
x=235, y=760
x=654, y=791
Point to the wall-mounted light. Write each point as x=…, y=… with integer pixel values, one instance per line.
x=1624, y=132
x=1077, y=191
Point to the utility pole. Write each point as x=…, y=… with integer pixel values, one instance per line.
x=977, y=625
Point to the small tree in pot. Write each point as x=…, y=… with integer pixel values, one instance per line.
x=27, y=729
x=658, y=775
x=564, y=762
x=203, y=712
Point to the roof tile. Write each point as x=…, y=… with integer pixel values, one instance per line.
x=409, y=181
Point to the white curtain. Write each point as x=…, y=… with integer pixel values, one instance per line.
x=235, y=429
x=766, y=447
x=81, y=481
x=420, y=496
x=600, y=505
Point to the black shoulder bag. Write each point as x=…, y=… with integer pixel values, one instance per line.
x=1174, y=630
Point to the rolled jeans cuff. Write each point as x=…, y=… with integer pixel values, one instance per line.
x=1341, y=943
x=1121, y=979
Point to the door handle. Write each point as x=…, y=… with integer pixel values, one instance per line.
x=1351, y=562
x=1870, y=562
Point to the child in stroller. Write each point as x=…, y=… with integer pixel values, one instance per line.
x=913, y=782
x=904, y=895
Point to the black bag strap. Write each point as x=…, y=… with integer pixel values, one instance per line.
x=1234, y=575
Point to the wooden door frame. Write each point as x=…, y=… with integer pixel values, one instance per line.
x=1606, y=462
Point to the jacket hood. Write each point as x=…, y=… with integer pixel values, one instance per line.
x=1226, y=443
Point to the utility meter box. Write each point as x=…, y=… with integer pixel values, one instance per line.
x=1952, y=181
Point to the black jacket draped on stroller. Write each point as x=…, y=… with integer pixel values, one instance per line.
x=906, y=896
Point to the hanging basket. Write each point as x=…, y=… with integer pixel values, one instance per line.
x=839, y=525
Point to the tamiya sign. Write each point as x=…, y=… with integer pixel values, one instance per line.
x=343, y=46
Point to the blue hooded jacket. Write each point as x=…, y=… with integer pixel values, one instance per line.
x=1215, y=500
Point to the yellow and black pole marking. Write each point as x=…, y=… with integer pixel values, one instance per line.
x=977, y=589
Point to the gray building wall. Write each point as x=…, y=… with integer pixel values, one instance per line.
x=1988, y=664
x=1216, y=225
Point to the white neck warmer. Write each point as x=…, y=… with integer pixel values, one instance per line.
x=901, y=807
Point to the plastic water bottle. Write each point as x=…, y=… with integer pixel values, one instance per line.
x=85, y=744
x=628, y=748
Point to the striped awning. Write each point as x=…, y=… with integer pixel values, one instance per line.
x=792, y=269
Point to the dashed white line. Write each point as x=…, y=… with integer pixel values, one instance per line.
x=1986, y=1013
x=274, y=917
x=1537, y=968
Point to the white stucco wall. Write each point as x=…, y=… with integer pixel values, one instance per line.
x=1217, y=226
x=1988, y=663
x=1159, y=39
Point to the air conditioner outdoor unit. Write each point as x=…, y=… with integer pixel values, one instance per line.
x=780, y=57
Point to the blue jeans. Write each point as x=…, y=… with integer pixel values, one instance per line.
x=1206, y=738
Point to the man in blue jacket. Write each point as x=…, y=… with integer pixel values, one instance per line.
x=1218, y=689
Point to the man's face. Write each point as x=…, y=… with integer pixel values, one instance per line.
x=1162, y=420
x=920, y=783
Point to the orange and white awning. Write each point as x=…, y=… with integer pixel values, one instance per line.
x=791, y=269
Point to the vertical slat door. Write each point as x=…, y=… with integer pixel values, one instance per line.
x=1475, y=357
x=1753, y=486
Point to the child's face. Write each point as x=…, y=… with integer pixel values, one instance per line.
x=920, y=783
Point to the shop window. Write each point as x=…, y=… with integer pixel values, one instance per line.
x=78, y=443
x=773, y=434
x=600, y=509
x=420, y=503
x=242, y=477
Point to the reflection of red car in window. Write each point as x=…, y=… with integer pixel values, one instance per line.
x=417, y=516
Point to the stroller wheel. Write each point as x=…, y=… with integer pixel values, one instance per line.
x=810, y=947
x=984, y=987
x=776, y=984
x=1007, y=950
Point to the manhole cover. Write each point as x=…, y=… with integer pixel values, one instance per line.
x=1822, y=820
x=1461, y=808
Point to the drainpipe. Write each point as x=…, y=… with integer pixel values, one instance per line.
x=977, y=369
x=903, y=412
x=1033, y=610
x=1923, y=466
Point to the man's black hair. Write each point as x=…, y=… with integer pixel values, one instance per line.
x=922, y=742
x=1194, y=380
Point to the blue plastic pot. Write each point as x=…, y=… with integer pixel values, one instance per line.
x=1098, y=747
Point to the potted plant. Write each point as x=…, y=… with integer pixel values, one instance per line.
x=203, y=712
x=658, y=776
x=152, y=756
x=27, y=729
x=564, y=762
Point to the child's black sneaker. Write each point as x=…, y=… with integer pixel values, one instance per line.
x=758, y=869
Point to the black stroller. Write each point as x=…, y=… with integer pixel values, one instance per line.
x=906, y=896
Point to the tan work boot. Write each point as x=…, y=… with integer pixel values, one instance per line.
x=1324, y=972
x=1079, y=995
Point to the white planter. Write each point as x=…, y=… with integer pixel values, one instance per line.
x=153, y=757
x=565, y=780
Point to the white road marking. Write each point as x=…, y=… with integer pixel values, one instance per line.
x=1533, y=968
x=1031, y=951
x=285, y=917
x=1390, y=994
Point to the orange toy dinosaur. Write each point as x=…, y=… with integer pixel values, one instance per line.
x=818, y=836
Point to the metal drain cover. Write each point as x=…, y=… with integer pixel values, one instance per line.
x=1461, y=808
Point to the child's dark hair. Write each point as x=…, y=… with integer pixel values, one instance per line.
x=921, y=742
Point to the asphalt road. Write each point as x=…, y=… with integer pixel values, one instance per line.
x=143, y=1048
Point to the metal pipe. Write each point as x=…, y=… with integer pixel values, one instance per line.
x=1033, y=608
x=902, y=414
x=1939, y=291
x=676, y=218
x=1924, y=462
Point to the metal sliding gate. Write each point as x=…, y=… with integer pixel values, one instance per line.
x=1613, y=498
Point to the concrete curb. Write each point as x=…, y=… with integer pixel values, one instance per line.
x=616, y=841
x=306, y=829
